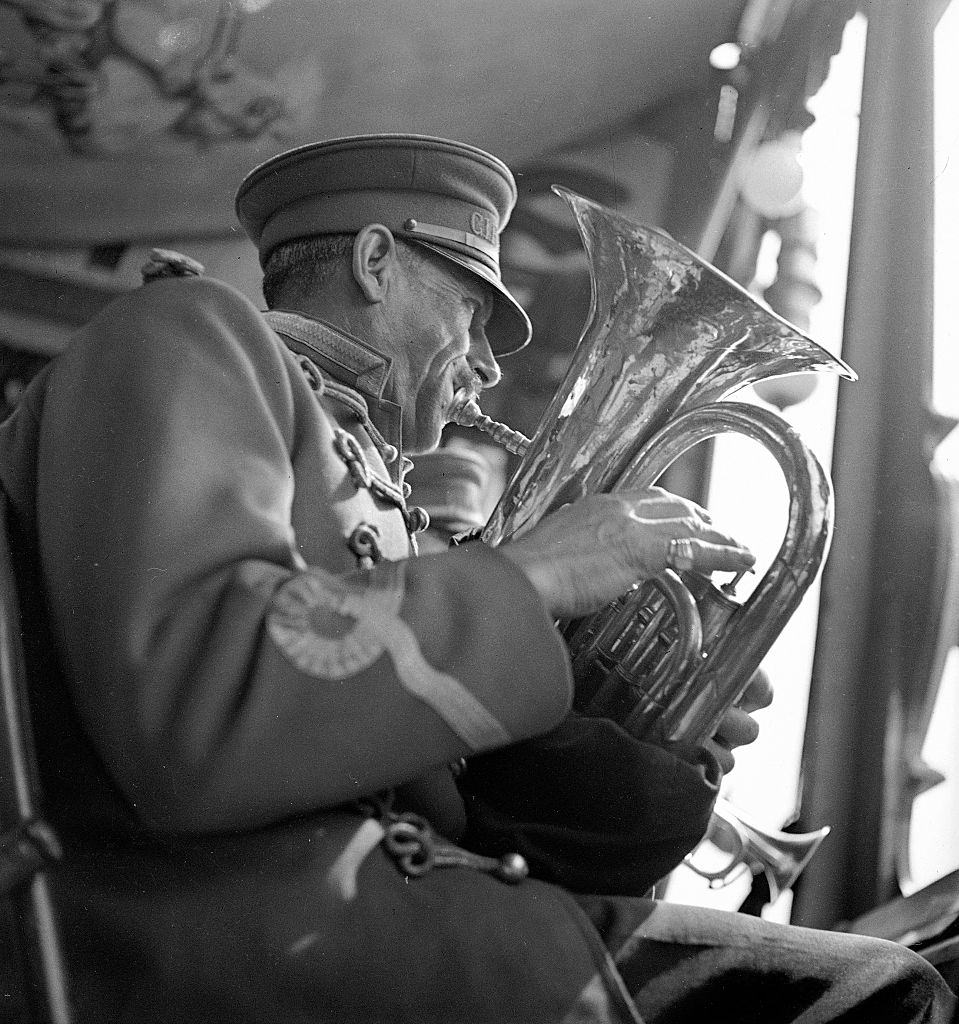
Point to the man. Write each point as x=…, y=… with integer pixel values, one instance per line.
x=253, y=747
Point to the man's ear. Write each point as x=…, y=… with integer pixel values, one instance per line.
x=375, y=260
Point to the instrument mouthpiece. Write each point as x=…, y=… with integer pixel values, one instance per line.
x=465, y=411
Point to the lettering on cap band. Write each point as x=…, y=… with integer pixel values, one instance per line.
x=415, y=227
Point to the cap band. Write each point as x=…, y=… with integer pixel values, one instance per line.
x=435, y=231
x=346, y=212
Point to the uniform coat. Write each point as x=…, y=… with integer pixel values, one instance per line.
x=231, y=646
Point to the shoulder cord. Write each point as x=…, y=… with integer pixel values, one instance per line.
x=417, y=519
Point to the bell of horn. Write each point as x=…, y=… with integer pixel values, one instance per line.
x=780, y=856
x=666, y=332
x=668, y=339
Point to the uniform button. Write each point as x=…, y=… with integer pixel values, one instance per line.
x=364, y=542
x=512, y=868
x=417, y=519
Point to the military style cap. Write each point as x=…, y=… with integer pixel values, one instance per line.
x=452, y=198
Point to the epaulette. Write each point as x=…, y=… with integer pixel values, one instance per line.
x=168, y=263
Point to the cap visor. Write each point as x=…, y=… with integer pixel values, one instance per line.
x=509, y=328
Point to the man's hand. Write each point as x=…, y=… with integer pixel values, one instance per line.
x=591, y=551
x=738, y=727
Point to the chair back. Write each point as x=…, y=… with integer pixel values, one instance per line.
x=31, y=960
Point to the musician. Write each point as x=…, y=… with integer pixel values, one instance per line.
x=254, y=732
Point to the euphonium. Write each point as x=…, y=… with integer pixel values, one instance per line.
x=667, y=338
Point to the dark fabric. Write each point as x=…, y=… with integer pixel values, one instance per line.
x=684, y=964
x=589, y=806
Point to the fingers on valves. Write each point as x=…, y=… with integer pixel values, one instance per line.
x=685, y=553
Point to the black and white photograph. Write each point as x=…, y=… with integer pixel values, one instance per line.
x=479, y=512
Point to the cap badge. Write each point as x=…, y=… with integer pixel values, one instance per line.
x=482, y=225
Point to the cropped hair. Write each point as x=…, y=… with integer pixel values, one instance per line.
x=301, y=267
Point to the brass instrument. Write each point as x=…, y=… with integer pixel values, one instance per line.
x=667, y=338
x=780, y=856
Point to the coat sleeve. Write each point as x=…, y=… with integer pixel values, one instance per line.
x=591, y=807
x=224, y=683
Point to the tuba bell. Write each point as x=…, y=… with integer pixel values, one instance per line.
x=667, y=339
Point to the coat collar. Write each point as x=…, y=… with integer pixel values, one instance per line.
x=348, y=361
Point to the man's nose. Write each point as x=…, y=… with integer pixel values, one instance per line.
x=482, y=361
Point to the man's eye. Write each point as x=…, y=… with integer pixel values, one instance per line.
x=481, y=313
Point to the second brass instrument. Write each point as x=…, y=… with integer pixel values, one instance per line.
x=668, y=337
x=780, y=856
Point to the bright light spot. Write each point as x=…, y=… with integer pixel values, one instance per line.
x=771, y=180
x=579, y=389
x=726, y=56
